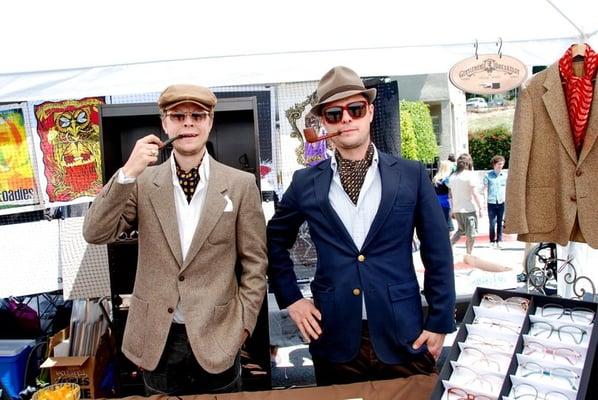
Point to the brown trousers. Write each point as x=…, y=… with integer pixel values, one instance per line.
x=367, y=367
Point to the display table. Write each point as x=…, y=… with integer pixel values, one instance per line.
x=413, y=388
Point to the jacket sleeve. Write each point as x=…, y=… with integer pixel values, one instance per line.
x=113, y=211
x=251, y=253
x=437, y=258
x=521, y=142
x=282, y=234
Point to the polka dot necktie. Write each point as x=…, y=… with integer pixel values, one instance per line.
x=188, y=181
x=352, y=173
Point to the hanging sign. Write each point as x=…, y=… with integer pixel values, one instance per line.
x=488, y=74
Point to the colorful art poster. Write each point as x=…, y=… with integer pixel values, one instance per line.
x=17, y=177
x=69, y=133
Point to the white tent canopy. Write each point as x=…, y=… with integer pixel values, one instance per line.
x=71, y=49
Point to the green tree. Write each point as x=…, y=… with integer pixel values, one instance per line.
x=408, y=141
x=486, y=143
x=426, y=149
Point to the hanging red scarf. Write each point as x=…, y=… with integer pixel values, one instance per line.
x=579, y=91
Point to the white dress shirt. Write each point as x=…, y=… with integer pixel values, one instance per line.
x=187, y=213
x=357, y=218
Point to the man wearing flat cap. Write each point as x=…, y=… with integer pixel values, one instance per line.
x=196, y=218
x=362, y=207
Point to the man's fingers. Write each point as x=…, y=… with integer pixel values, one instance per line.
x=310, y=330
x=314, y=324
x=419, y=341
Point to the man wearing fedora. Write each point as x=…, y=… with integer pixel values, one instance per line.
x=190, y=310
x=362, y=206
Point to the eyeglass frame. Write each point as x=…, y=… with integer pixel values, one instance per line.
x=468, y=395
x=537, y=392
x=558, y=330
x=524, y=305
x=549, y=372
x=492, y=322
x=480, y=341
x=479, y=377
x=486, y=357
x=344, y=108
x=552, y=351
x=568, y=311
x=191, y=114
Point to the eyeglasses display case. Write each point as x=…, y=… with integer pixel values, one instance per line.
x=514, y=345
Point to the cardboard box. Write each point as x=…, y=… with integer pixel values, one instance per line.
x=87, y=372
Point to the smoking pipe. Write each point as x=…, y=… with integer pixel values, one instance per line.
x=170, y=140
x=311, y=136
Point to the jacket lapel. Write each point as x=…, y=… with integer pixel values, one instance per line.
x=213, y=207
x=554, y=100
x=592, y=130
x=390, y=179
x=162, y=199
x=322, y=182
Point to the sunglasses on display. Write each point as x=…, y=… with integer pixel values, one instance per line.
x=180, y=117
x=334, y=114
x=565, y=353
x=576, y=314
x=510, y=303
x=532, y=368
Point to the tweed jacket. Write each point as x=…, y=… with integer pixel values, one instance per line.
x=548, y=184
x=217, y=305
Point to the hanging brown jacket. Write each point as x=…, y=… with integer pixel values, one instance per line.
x=548, y=184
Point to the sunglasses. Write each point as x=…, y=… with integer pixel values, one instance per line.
x=334, y=114
x=196, y=116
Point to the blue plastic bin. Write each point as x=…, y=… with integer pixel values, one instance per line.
x=13, y=360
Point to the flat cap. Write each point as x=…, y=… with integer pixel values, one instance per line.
x=174, y=95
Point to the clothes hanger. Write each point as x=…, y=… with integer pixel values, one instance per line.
x=578, y=52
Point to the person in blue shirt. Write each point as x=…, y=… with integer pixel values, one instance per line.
x=495, y=183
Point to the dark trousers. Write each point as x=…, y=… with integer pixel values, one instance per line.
x=495, y=216
x=179, y=373
x=367, y=367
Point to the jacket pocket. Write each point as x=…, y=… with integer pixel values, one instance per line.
x=224, y=231
x=324, y=301
x=407, y=311
x=541, y=209
x=227, y=327
x=134, y=335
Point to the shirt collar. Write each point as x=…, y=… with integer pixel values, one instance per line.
x=334, y=164
x=204, y=169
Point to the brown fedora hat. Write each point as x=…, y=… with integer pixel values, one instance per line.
x=338, y=83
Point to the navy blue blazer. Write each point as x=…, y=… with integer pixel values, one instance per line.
x=382, y=269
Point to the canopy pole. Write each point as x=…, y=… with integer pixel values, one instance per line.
x=583, y=37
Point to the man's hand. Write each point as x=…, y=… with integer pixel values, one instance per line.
x=307, y=318
x=435, y=341
x=244, y=335
x=144, y=153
